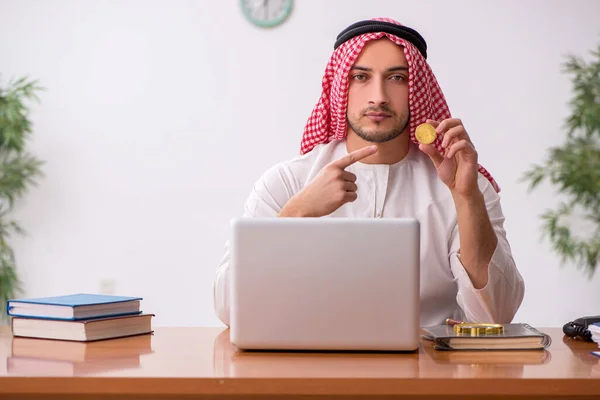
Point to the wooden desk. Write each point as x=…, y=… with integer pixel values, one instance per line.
x=201, y=363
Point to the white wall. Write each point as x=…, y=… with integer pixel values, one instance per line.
x=159, y=115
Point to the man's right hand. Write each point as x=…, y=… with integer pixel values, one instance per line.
x=329, y=190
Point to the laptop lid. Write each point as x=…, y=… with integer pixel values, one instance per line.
x=325, y=284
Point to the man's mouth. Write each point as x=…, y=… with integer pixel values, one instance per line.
x=377, y=116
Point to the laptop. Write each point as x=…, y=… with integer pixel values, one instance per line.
x=318, y=284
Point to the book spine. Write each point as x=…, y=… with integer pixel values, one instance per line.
x=546, y=339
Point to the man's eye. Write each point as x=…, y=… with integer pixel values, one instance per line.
x=359, y=77
x=399, y=77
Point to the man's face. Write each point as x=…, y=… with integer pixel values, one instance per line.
x=378, y=92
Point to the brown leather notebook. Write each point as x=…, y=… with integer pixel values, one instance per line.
x=517, y=336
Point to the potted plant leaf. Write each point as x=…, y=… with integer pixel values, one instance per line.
x=573, y=227
x=18, y=171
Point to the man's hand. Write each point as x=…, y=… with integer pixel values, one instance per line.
x=329, y=190
x=458, y=169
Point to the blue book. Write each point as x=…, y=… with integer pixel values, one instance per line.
x=74, y=306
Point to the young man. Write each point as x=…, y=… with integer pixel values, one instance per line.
x=360, y=158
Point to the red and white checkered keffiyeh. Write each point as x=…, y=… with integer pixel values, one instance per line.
x=327, y=121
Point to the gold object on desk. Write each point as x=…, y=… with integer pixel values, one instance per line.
x=478, y=329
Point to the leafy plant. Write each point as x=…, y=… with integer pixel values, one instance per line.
x=574, y=169
x=18, y=171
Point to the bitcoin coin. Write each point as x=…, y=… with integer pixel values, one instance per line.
x=478, y=329
x=425, y=133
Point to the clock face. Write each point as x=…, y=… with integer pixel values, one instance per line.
x=266, y=13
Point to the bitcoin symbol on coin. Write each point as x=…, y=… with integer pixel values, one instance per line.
x=425, y=133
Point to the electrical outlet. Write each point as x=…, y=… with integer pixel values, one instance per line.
x=107, y=286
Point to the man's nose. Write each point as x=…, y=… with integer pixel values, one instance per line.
x=378, y=95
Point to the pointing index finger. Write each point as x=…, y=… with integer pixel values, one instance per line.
x=355, y=156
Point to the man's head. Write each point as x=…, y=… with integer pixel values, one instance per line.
x=383, y=43
x=377, y=109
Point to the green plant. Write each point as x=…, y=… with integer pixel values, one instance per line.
x=18, y=171
x=574, y=169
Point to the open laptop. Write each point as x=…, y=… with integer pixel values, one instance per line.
x=338, y=284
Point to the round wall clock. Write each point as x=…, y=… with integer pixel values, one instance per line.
x=266, y=13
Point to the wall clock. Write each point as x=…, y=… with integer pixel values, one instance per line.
x=266, y=13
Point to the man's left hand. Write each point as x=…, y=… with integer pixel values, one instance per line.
x=458, y=168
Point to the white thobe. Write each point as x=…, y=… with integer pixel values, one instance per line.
x=408, y=188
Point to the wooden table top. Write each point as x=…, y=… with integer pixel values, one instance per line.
x=186, y=361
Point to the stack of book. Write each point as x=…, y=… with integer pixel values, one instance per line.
x=79, y=317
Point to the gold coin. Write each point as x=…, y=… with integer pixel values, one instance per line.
x=425, y=133
x=478, y=329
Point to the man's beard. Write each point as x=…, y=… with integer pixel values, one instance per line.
x=377, y=135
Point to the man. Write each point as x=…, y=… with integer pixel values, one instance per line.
x=360, y=158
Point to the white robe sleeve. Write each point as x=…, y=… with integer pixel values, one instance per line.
x=500, y=299
x=268, y=196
